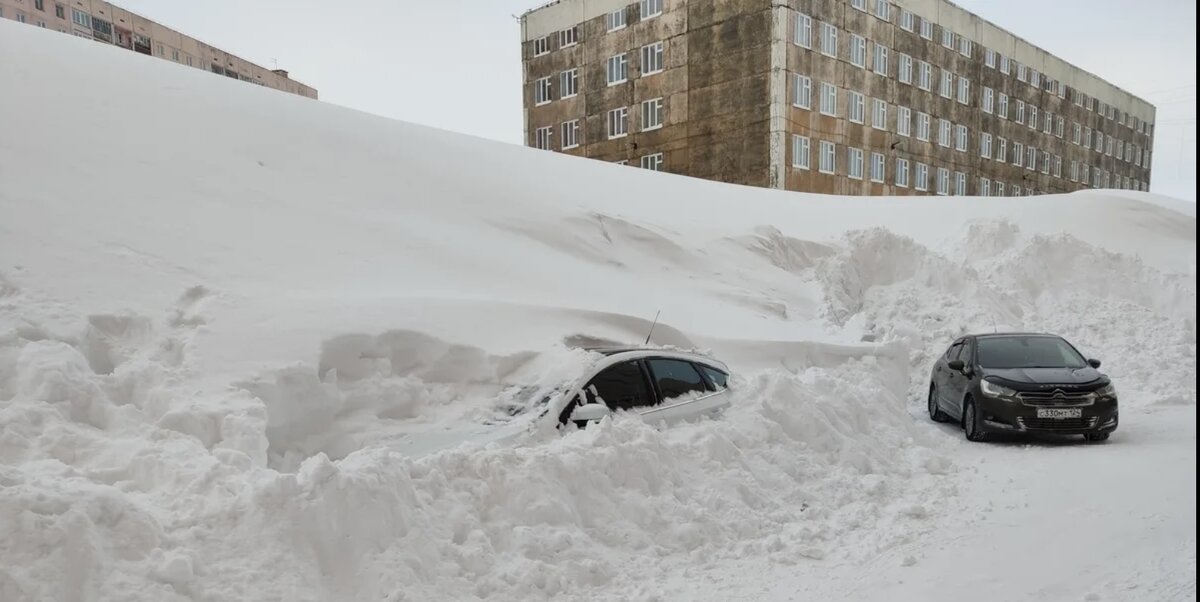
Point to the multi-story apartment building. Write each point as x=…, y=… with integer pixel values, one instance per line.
x=104, y=22
x=836, y=96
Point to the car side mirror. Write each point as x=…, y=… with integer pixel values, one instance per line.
x=1095, y=363
x=956, y=365
x=590, y=412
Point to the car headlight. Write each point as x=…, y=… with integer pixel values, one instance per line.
x=1107, y=391
x=992, y=389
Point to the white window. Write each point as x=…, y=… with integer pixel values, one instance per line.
x=943, y=181
x=570, y=134
x=944, y=133
x=1099, y=142
x=877, y=167
x=902, y=173
x=1022, y=72
x=1108, y=148
x=1087, y=137
x=922, y=172
x=800, y=149
x=1045, y=162
x=652, y=58
x=651, y=8
x=964, y=46
x=985, y=146
x=1020, y=112
x=1031, y=158
x=618, y=69
x=925, y=75
x=568, y=37
x=828, y=160
x=652, y=114
x=988, y=100
x=1076, y=133
x=1001, y=149
x=1002, y=106
x=960, y=183
x=859, y=4
x=1084, y=172
x=828, y=39
x=908, y=21
x=883, y=10
x=857, y=107
x=903, y=121
x=1034, y=78
x=802, y=91
x=1120, y=149
x=1033, y=117
x=985, y=187
x=999, y=188
x=81, y=18
x=1018, y=154
x=906, y=69
x=1016, y=190
x=947, y=38
x=653, y=162
x=1004, y=64
x=541, y=91
x=542, y=138
x=881, y=60
x=858, y=51
x=1047, y=122
x=803, y=33
x=1057, y=166
x=828, y=99
x=541, y=46
x=923, y=123
x=947, y=84
x=569, y=83
x=989, y=58
x=879, y=114
x=615, y=20
x=927, y=29
x=854, y=157
x=964, y=90
x=618, y=122
x=960, y=138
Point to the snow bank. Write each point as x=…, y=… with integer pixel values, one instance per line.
x=231, y=342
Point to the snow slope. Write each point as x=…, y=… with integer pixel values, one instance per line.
x=225, y=313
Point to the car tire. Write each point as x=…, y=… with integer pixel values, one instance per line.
x=971, y=422
x=935, y=413
x=1096, y=437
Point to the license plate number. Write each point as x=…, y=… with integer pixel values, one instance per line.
x=1059, y=413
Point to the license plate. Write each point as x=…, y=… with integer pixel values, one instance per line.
x=1059, y=413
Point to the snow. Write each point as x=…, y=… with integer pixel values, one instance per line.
x=258, y=347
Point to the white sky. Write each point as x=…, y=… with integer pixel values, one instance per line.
x=455, y=64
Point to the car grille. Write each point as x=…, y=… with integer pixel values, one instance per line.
x=1057, y=424
x=1056, y=398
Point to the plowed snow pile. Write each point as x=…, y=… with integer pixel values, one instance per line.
x=228, y=314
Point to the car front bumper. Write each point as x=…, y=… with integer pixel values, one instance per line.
x=1012, y=416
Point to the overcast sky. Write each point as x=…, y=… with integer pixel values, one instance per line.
x=455, y=64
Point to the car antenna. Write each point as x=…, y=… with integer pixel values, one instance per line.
x=994, y=331
x=652, y=325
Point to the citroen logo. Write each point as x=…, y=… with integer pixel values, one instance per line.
x=1058, y=394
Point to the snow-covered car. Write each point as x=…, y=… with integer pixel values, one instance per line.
x=1021, y=383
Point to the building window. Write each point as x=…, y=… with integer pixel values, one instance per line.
x=1004, y=64
x=802, y=91
x=1108, y=148
x=943, y=181
x=988, y=100
x=618, y=122
x=1034, y=78
x=1033, y=117
x=800, y=150
x=925, y=81
x=1001, y=149
x=541, y=91
x=883, y=10
x=906, y=69
x=923, y=123
x=20, y=17
x=568, y=37
x=947, y=38
x=1076, y=133
x=828, y=99
x=877, y=167
x=615, y=20
x=926, y=29
x=188, y=60
x=903, y=121
x=881, y=60
x=40, y=5
x=652, y=114
x=1058, y=126
x=960, y=183
x=854, y=159
x=1045, y=162
x=1016, y=190
x=653, y=162
x=651, y=8
x=542, y=138
x=857, y=107
x=999, y=188
x=985, y=187
x=879, y=114
x=1087, y=137
x=1022, y=73
x=960, y=138
x=859, y=4
x=828, y=160
x=652, y=58
x=1057, y=166
x=1002, y=106
x=60, y=11
x=803, y=33
x=964, y=46
x=985, y=146
x=902, y=173
x=829, y=44
x=568, y=83
x=908, y=21
x=1018, y=154
x=570, y=134
x=541, y=46
x=618, y=69
x=858, y=51
x=83, y=19
x=947, y=84
x=964, y=90
x=989, y=58
x=944, y=133
x=1031, y=158
x=1020, y=112
x=922, y=173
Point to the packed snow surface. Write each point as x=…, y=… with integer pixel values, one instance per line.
x=254, y=346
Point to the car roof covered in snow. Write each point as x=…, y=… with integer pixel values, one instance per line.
x=985, y=335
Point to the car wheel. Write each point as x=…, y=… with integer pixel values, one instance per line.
x=971, y=422
x=935, y=413
x=1096, y=437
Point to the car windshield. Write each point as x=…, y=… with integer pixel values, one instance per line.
x=1028, y=352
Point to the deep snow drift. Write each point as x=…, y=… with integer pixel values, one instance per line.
x=226, y=313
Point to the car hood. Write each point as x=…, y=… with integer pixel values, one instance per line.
x=1037, y=377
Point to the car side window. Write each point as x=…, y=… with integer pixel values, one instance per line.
x=675, y=377
x=965, y=353
x=716, y=377
x=951, y=350
x=620, y=387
